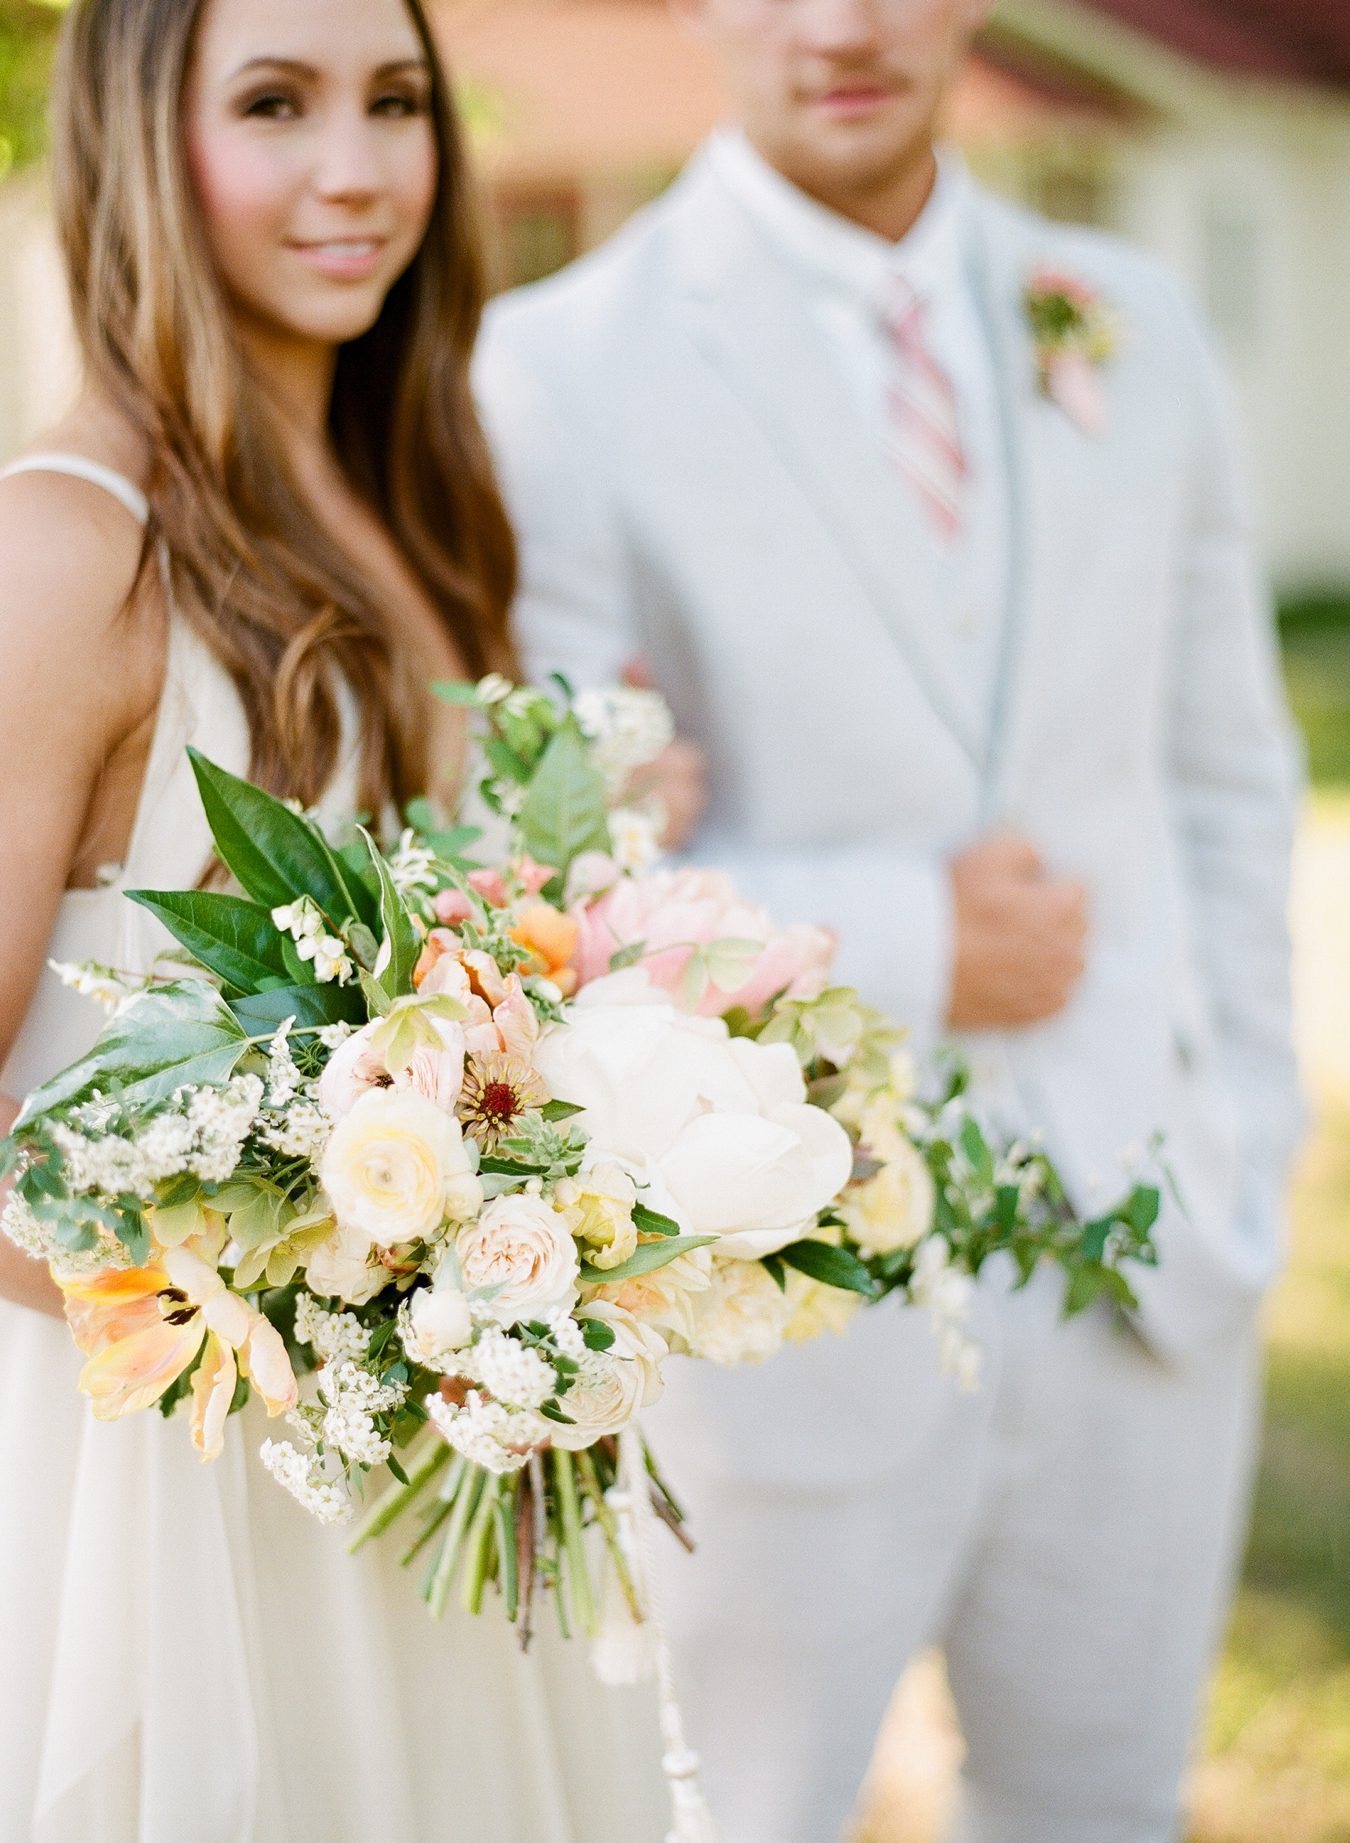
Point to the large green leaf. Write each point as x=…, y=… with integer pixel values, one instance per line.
x=233, y=937
x=401, y=938
x=275, y=854
x=263, y=1012
x=830, y=1266
x=164, y=1039
x=564, y=811
x=647, y=1258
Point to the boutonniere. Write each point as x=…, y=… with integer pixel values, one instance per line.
x=1076, y=335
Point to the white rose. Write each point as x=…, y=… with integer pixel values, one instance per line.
x=894, y=1209
x=742, y=1318
x=341, y=1268
x=719, y=1126
x=396, y=1167
x=614, y=1384
x=441, y=1323
x=601, y=1204
x=524, y=1249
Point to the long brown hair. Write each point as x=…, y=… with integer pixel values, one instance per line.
x=281, y=605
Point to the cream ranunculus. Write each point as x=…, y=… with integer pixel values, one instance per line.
x=614, y=1384
x=601, y=1201
x=742, y=1318
x=396, y=1167
x=523, y=1251
x=718, y=1126
x=894, y=1209
x=344, y=1266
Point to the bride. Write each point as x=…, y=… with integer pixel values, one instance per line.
x=268, y=524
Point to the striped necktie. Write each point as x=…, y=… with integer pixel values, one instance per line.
x=923, y=432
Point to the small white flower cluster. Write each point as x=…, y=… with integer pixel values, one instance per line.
x=336, y=1337
x=627, y=728
x=511, y=1372
x=950, y=1297
x=353, y=1396
x=37, y=1239
x=413, y=867
x=303, y=921
x=202, y=1133
x=635, y=837
x=294, y=1124
x=102, y=983
x=313, y=1479
x=498, y=1438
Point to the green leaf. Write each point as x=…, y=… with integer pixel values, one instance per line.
x=1143, y=1209
x=556, y=1111
x=165, y=1038
x=1084, y=1288
x=647, y=1259
x=274, y=853
x=831, y=1266
x=312, y=1006
x=552, y=1412
x=564, y=810
x=627, y=956
x=400, y=936
x=230, y=936
x=776, y=1271
x=652, y=1222
x=596, y=1334
x=976, y=1149
x=504, y=760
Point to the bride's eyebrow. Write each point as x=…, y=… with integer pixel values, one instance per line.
x=297, y=67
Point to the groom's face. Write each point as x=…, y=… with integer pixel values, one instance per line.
x=839, y=95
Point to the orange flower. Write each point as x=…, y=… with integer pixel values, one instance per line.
x=142, y=1328
x=550, y=938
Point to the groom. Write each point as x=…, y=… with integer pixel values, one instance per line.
x=969, y=627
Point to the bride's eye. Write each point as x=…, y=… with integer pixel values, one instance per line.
x=271, y=106
x=400, y=105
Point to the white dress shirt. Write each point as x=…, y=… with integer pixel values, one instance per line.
x=848, y=274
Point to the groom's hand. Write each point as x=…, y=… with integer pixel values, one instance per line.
x=1020, y=937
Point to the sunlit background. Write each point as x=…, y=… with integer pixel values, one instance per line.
x=1216, y=132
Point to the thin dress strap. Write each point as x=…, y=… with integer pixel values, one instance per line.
x=80, y=467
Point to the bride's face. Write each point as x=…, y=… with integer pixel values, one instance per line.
x=313, y=156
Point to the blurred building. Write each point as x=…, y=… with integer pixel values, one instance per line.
x=1216, y=132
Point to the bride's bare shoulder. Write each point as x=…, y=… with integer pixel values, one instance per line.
x=74, y=596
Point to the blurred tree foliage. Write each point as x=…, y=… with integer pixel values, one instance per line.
x=28, y=31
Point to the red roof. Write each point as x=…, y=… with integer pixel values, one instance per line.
x=1299, y=39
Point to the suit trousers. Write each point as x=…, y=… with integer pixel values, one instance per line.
x=1068, y=1535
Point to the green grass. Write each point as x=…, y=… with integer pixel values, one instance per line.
x=1278, y=1769
x=1315, y=630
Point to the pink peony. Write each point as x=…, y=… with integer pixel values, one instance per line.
x=672, y=912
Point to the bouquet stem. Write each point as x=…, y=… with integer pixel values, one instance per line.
x=391, y=1504
x=447, y=1562
x=574, y=1541
x=609, y=1526
x=479, y=1547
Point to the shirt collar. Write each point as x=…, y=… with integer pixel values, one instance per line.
x=839, y=256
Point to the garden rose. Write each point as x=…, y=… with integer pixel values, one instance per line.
x=893, y=1209
x=357, y=1066
x=523, y=1248
x=343, y=1266
x=742, y=1318
x=439, y=1324
x=614, y=1384
x=396, y=1167
x=672, y=912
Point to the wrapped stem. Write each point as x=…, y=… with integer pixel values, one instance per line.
x=573, y=1541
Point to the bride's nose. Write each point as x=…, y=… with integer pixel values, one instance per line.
x=347, y=160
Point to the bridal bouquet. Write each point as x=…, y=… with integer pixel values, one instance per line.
x=444, y=1157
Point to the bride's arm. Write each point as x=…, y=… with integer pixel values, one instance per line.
x=73, y=676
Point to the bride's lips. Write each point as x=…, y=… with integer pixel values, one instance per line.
x=852, y=101
x=342, y=259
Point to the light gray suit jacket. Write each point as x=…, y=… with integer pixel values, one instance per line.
x=692, y=483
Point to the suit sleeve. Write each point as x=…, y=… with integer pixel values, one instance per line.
x=577, y=612
x=1235, y=775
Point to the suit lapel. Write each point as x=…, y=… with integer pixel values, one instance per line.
x=1053, y=483
x=746, y=317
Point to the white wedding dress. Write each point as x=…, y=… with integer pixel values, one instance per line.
x=185, y=1655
